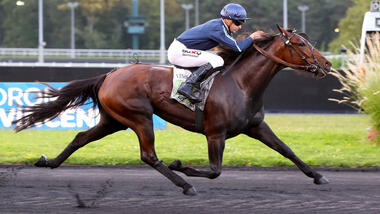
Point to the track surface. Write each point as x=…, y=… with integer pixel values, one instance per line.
x=140, y=189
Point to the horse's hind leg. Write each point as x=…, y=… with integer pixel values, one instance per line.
x=106, y=126
x=145, y=134
x=266, y=135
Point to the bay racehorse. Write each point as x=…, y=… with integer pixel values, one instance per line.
x=129, y=96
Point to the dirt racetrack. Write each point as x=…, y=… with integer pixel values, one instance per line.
x=140, y=189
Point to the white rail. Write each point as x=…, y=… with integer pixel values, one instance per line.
x=127, y=53
x=95, y=52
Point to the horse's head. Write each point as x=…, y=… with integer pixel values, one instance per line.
x=295, y=51
x=301, y=54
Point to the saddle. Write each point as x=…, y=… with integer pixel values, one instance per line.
x=180, y=74
x=191, y=69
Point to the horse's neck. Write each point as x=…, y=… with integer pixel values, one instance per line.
x=255, y=73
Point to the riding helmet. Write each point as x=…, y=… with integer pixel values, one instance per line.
x=234, y=11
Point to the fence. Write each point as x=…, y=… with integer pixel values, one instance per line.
x=79, y=57
x=127, y=53
x=92, y=57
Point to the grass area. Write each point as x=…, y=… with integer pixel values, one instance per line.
x=319, y=140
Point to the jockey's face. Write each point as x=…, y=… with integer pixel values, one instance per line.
x=232, y=26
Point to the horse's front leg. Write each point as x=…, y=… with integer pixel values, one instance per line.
x=215, y=153
x=263, y=133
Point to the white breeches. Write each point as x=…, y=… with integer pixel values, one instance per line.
x=179, y=55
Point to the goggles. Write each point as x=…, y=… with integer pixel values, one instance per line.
x=238, y=22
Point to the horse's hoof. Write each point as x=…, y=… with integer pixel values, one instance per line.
x=190, y=191
x=42, y=162
x=176, y=165
x=321, y=180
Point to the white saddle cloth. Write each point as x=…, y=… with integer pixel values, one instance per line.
x=180, y=76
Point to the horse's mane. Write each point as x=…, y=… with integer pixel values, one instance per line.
x=229, y=55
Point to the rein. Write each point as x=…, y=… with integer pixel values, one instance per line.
x=233, y=63
x=311, y=67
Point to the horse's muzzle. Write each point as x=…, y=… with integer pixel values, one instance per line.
x=322, y=72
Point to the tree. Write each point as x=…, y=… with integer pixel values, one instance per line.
x=174, y=19
x=57, y=25
x=18, y=31
x=20, y=24
x=96, y=28
x=350, y=27
x=100, y=23
x=321, y=19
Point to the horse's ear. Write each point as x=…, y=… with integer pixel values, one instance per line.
x=282, y=30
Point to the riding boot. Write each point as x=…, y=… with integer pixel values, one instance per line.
x=192, y=83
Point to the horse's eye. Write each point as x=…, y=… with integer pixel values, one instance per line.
x=302, y=44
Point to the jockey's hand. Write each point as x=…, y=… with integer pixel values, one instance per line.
x=257, y=35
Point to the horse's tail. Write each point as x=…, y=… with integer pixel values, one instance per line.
x=74, y=94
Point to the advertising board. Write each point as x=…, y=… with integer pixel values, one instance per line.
x=17, y=94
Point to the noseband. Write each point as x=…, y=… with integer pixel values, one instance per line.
x=312, y=67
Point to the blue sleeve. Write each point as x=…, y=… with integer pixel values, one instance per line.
x=222, y=37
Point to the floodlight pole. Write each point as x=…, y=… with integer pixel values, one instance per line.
x=135, y=13
x=303, y=9
x=285, y=14
x=187, y=7
x=72, y=6
x=162, y=32
x=196, y=13
x=41, y=42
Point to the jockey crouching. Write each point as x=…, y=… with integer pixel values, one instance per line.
x=189, y=49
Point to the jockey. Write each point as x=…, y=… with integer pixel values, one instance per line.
x=188, y=50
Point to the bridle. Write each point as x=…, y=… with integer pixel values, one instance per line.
x=312, y=67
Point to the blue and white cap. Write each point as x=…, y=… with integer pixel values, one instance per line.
x=234, y=12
